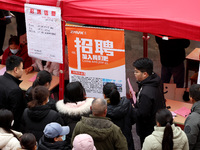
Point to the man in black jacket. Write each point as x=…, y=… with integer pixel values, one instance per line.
x=11, y=95
x=150, y=97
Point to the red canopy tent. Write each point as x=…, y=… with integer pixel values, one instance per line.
x=177, y=18
x=173, y=18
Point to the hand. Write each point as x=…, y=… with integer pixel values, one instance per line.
x=133, y=105
x=29, y=69
x=130, y=93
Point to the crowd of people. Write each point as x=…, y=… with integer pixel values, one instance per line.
x=35, y=120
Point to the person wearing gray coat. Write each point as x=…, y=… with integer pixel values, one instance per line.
x=192, y=122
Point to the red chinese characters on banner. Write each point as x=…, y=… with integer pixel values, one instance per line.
x=32, y=11
x=45, y=12
x=39, y=11
x=95, y=49
x=53, y=13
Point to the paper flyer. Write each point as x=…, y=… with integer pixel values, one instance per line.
x=132, y=91
x=3, y=70
x=183, y=111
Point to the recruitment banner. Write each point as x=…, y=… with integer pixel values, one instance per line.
x=44, y=36
x=96, y=56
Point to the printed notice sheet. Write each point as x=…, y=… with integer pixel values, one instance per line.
x=44, y=34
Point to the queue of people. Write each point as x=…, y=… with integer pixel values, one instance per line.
x=103, y=123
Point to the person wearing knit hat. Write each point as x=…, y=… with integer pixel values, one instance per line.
x=54, y=137
x=83, y=142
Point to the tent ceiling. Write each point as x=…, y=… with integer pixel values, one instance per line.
x=178, y=18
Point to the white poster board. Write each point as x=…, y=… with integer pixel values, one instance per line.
x=44, y=34
x=96, y=56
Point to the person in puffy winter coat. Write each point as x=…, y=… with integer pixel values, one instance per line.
x=38, y=114
x=9, y=139
x=74, y=105
x=120, y=111
x=166, y=135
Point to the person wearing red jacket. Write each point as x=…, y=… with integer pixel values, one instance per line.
x=15, y=48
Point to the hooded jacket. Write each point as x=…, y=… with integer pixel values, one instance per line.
x=106, y=135
x=71, y=113
x=122, y=116
x=59, y=145
x=8, y=141
x=51, y=102
x=154, y=141
x=192, y=124
x=35, y=119
x=150, y=99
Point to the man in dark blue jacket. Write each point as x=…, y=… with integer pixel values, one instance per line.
x=150, y=97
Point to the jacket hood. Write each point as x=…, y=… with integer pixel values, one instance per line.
x=98, y=127
x=177, y=134
x=196, y=107
x=120, y=110
x=152, y=80
x=38, y=113
x=74, y=109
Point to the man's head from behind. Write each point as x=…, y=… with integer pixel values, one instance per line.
x=14, y=66
x=143, y=68
x=194, y=92
x=99, y=107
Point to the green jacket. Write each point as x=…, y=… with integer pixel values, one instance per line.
x=106, y=135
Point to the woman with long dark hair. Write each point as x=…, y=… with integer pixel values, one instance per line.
x=120, y=111
x=74, y=105
x=9, y=139
x=43, y=78
x=166, y=136
x=38, y=114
